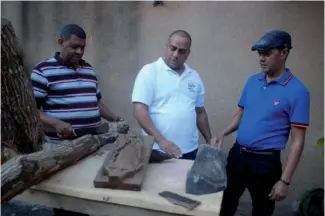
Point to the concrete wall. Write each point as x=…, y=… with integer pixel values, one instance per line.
x=123, y=36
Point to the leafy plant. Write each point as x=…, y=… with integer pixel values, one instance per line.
x=320, y=142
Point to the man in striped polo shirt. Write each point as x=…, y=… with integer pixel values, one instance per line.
x=67, y=89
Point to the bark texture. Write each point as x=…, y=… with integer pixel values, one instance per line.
x=125, y=166
x=21, y=128
x=127, y=159
x=24, y=161
x=24, y=171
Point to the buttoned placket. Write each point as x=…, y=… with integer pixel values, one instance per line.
x=179, y=77
x=76, y=72
x=276, y=81
x=267, y=85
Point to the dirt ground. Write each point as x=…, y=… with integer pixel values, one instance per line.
x=18, y=208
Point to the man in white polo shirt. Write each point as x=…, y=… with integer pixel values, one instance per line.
x=168, y=100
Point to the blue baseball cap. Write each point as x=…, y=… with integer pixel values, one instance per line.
x=273, y=39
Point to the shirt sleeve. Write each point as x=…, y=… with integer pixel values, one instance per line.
x=143, y=89
x=40, y=84
x=242, y=99
x=200, y=99
x=98, y=93
x=300, y=110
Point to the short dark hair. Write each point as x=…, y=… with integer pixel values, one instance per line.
x=72, y=29
x=181, y=33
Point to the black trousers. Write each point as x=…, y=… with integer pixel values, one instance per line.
x=190, y=155
x=62, y=212
x=255, y=172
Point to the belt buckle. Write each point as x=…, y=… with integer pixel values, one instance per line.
x=243, y=149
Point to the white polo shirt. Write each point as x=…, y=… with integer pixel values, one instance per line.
x=171, y=99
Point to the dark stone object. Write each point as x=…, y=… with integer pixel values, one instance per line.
x=158, y=156
x=208, y=173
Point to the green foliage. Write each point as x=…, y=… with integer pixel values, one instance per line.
x=320, y=142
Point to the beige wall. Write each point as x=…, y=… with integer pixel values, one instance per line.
x=123, y=36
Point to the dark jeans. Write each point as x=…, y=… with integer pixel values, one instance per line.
x=257, y=173
x=190, y=155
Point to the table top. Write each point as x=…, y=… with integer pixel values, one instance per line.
x=77, y=181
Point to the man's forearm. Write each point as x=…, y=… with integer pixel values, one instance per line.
x=144, y=120
x=48, y=121
x=106, y=113
x=148, y=126
x=233, y=125
x=203, y=125
x=293, y=160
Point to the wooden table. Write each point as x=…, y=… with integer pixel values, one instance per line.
x=72, y=189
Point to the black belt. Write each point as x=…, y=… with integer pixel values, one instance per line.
x=257, y=152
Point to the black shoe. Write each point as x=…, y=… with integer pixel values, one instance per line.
x=155, y=3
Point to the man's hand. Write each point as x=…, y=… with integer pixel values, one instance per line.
x=232, y=127
x=217, y=141
x=118, y=118
x=170, y=148
x=279, y=191
x=64, y=129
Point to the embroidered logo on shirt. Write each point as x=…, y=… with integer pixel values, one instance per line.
x=191, y=87
x=276, y=103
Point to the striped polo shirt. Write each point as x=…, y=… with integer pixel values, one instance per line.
x=66, y=93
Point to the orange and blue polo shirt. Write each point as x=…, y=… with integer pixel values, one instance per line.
x=271, y=109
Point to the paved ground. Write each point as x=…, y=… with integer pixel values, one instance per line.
x=17, y=208
x=245, y=208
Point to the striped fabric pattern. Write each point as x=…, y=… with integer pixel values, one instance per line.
x=68, y=94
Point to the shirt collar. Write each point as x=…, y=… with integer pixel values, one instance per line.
x=162, y=64
x=283, y=79
x=60, y=60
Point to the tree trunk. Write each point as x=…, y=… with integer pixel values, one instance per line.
x=23, y=161
x=24, y=171
x=21, y=128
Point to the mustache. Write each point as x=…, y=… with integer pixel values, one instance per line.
x=76, y=56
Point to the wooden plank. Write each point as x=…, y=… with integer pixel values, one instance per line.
x=166, y=176
x=133, y=179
